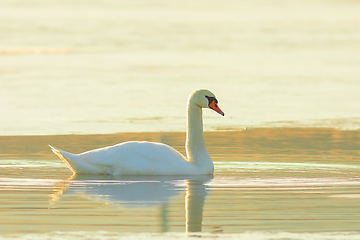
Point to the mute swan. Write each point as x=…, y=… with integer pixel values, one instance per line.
x=150, y=158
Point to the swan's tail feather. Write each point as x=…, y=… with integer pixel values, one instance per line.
x=77, y=165
x=70, y=159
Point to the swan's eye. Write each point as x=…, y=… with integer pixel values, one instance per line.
x=211, y=99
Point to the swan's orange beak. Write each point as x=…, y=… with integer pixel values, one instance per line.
x=213, y=105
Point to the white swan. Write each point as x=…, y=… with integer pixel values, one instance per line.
x=150, y=158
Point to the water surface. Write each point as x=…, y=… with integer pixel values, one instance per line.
x=118, y=66
x=268, y=184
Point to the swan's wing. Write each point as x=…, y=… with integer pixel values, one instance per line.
x=130, y=153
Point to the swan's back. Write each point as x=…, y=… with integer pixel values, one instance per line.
x=139, y=158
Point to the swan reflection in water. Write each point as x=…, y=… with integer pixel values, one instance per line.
x=143, y=191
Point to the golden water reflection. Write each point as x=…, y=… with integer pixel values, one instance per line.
x=141, y=192
x=282, y=180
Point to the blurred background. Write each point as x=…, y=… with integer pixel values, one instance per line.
x=287, y=71
x=75, y=67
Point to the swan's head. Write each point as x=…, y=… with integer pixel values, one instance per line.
x=205, y=99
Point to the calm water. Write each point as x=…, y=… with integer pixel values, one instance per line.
x=119, y=66
x=268, y=184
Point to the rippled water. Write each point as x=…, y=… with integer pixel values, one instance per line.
x=268, y=184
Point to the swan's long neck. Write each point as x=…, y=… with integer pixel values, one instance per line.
x=195, y=145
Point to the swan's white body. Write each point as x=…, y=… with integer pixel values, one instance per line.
x=150, y=158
